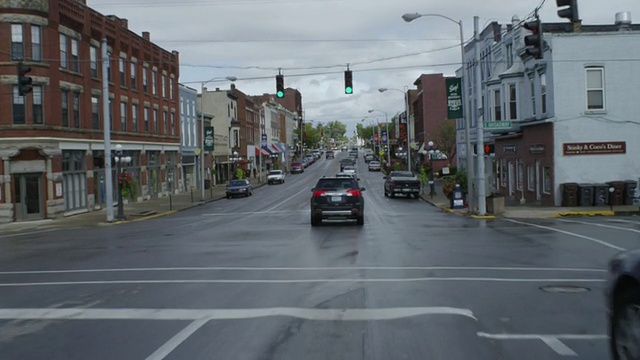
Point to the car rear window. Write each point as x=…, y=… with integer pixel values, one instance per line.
x=338, y=184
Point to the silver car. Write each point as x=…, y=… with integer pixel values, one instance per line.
x=374, y=165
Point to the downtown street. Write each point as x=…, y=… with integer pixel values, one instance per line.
x=249, y=278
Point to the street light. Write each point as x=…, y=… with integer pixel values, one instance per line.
x=432, y=151
x=410, y=17
x=406, y=111
x=120, y=159
x=386, y=124
x=235, y=158
x=202, y=84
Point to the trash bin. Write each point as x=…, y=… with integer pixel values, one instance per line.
x=586, y=195
x=600, y=194
x=570, y=194
x=207, y=183
x=629, y=191
x=617, y=196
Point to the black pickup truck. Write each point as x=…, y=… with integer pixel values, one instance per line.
x=401, y=183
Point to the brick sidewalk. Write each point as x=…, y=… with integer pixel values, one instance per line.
x=133, y=211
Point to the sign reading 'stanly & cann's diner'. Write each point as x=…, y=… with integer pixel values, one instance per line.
x=595, y=148
x=454, y=98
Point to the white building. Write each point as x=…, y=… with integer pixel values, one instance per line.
x=189, y=132
x=573, y=114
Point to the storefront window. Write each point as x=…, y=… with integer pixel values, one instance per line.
x=546, y=174
x=520, y=171
x=530, y=178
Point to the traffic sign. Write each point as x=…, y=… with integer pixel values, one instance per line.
x=497, y=124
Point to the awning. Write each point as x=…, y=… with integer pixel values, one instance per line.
x=275, y=149
x=265, y=151
x=281, y=147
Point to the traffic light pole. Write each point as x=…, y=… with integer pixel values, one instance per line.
x=480, y=176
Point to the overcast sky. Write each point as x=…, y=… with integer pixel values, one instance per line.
x=312, y=41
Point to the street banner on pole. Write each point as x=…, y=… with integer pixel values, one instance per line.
x=454, y=98
x=208, y=138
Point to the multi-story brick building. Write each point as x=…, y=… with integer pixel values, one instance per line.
x=51, y=142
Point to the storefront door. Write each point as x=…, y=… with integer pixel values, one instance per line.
x=28, y=197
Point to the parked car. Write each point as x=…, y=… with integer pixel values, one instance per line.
x=297, y=167
x=401, y=183
x=275, y=177
x=374, y=166
x=623, y=305
x=369, y=157
x=240, y=187
x=337, y=198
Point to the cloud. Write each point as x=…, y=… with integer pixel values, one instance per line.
x=312, y=41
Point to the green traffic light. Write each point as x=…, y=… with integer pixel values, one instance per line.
x=348, y=90
x=280, y=94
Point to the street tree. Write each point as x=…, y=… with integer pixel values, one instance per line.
x=445, y=139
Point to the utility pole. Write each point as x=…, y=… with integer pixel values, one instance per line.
x=482, y=201
x=108, y=176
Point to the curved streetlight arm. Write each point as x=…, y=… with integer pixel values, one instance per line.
x=410, y=17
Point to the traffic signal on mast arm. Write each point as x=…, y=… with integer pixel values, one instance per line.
x=570, y=11
x=280, y=86
x=534, y=41
x=24, y=82
x=348, y=82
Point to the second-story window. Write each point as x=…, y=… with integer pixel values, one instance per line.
x=95, y=112
x=595, y=88
x=76, y=110
x=513, y=102
x=123, y=116
x=123, y=78
x=109, y=76
x=146, y=120
x=93, y=58
x=17, y=42
x=164, y=85
x=533, y=95
x=38, y=111
x=63, y=51
x=497, y=106
x=75, y=62
x=171, y=88
x=543, y=92
x=173, y=123
x=155, y=121
x=134, y=117
x=134, y=80
x=36, y=43
x=18, y=108
x=165, y=124
x=65, y=107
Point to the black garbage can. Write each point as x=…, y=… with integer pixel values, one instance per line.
x=207, y=183
x=629, y=190
x=586, y=195
x=600, y=194
x=570, y=194
x=617, y=196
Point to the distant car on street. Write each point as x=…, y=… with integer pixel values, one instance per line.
x=297, y=168
x=350, y=169
x=240, y=187
x=329, y=155
x=374, y=166
x=623, y=304
x=337, y=198
x=347, y=175
x=275, y=177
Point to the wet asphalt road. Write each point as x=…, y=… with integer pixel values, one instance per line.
x=250, y=279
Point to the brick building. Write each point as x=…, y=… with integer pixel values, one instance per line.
x=51, y=147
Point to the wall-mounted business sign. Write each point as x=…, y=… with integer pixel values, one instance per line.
x=208, y=138
x=454, y=98
x=536, y=149
x=595, y=148
x=509, y=149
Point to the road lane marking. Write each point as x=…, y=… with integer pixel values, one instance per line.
x=291, y=281
x=267, y=212
x=551, y=340
x=26, y=233
x=568, y=233
x=558, y=346
x=168, y=347
x=261, y=269
x=289, y=198
x=229, y=314
x=600, y=225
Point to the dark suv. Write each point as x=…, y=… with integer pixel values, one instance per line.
x=337, y=198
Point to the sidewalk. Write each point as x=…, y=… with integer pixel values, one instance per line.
x=136, y=211
x=531, y=211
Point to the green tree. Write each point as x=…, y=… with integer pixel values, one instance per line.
x=445, y=139
x=335, y=129
x=312, y=136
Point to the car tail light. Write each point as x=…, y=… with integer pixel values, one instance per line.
x=319, y=193
x=354, y=193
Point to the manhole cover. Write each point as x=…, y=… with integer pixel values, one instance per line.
x=565, y=289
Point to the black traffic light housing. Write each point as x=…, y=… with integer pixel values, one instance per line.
x=348, y=82
x=280, y=86
x=569, y=10
x=534, y=41
x=489, y=149
x=24, y=82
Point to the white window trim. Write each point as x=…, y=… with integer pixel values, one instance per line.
x=508, y=101
x=531, y=175
x=586, y=87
